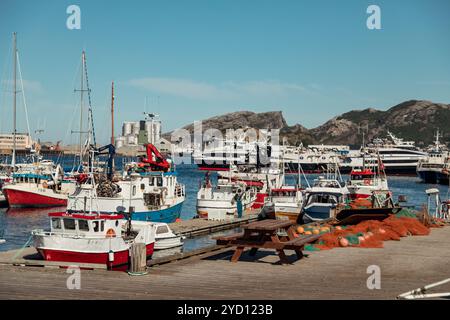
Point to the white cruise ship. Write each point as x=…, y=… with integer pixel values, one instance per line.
x=398, y=156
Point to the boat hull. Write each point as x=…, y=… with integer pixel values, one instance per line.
x=121, y=258
x=428, y=176
x=33, y=199
x=167, y=215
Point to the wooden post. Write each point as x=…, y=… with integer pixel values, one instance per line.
x=138, y=259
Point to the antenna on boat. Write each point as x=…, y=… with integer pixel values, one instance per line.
x=363, y=129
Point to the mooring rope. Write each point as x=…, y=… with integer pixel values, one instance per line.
x=21, y=249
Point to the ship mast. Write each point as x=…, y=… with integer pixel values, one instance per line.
x=112, y=113
x=81, y=107
x=13, y=160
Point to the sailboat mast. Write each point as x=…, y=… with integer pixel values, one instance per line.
x=13, y=160
x=112, y=113
x=81, y=108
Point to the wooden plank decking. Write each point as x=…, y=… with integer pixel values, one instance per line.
x=334, y=274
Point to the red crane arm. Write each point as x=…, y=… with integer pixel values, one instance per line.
x=155, y=159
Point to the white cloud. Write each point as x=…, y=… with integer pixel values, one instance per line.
x=205, y=91
x=28, y=85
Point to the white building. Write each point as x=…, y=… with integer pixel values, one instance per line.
x=23, y=141
x=137, y=133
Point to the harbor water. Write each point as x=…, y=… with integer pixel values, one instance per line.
x=16, y=224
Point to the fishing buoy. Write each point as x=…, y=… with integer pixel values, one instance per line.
x=343, y=242
x=315, y=231
x=381, y=231
x=296, y=235
x=324, y=229
x=300, y=230
x=111, y=256
x=308, y=233
x=361, y=239
x=338, y=228
x=177, y=220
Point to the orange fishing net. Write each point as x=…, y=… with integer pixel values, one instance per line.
x=371, y=233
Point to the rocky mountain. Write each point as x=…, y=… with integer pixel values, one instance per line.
x=415, y=120
x=241, y=120
x=412, y=120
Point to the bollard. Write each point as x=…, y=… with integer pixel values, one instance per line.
x=138, y=259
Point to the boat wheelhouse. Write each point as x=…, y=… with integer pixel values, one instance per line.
x=363, y=182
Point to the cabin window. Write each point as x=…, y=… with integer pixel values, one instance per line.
x=159, y=182
x=162, y=229
x=56, y=223
x=83, y=225
x=95, y=225
x=69, y=224
x=134, y=190
x=102, y=226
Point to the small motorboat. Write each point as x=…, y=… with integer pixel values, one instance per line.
x=323, y=200
x=93, y=238
x=165, y=238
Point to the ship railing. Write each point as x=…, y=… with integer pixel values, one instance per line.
x=67, y=235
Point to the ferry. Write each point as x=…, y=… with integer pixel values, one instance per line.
x=398, y=156
x=92, y=238
x=432, y=168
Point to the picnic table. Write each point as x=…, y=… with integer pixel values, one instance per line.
x=268, y=234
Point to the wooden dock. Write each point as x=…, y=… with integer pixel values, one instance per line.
x=195, y=227
x=340, y=273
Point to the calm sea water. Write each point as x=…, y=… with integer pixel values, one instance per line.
x=16, y=224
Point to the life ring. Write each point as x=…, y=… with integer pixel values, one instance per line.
x=45, y=184
x=110, y=233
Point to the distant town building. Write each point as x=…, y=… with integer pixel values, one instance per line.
x=23, y=141
x=139, y=133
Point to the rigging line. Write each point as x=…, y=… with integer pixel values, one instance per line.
x=89, y=101
x=23, y=96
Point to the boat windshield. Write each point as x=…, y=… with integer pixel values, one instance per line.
x=323, y=198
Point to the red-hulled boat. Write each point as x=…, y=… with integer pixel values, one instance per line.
x=93, y=238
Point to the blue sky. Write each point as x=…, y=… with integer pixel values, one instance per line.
x=310, y=59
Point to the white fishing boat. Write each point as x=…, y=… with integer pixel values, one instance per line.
x=284, y=203
x=165, y=238
x=92, y=238
x=225, y=201
x=363, y=182
x=149, y=188
x=323, y=198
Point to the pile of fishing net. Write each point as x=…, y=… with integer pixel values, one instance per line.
x=372, y=233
